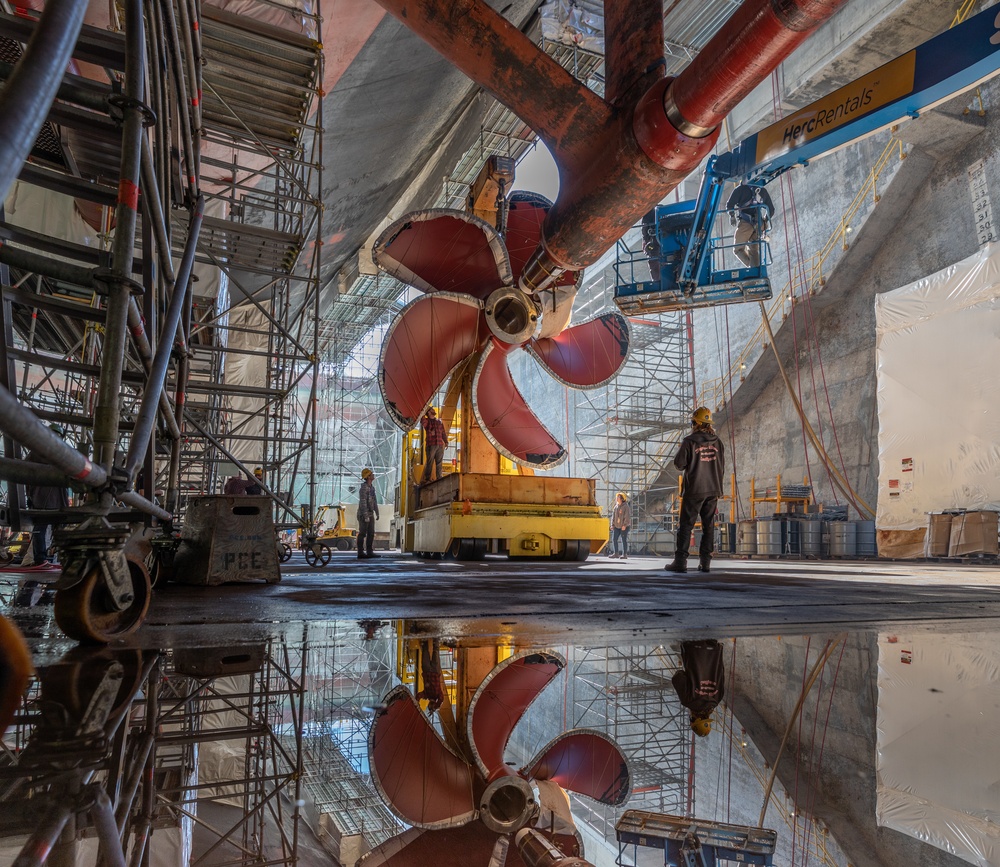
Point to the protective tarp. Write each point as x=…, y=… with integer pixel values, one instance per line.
x=444, y=251
x=937, y=342
x=585, y=355
x=501, y=700
x=574, y=22
x=420, y=779
x=937, y=763
x=432, y=335
x=248, y=330
x=509, y=424
x=586, y=762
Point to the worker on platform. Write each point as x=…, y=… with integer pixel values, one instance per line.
x=700, y=683
x=367, y=514
x=750, y=209
x=435, y=439
x=621, y=521
x=651, y=244
x=702, y=459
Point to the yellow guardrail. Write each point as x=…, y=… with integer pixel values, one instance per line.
x=808, y=277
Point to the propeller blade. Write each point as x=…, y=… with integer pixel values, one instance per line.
x=420, y=779
x=512, y=428
x=425, y=343
x=585, y=355
x=525, y=215
x=501, y=700
x=472, y=845
x=442, y=250
x=586, y=762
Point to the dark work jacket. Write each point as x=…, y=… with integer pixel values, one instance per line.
x=700, y=684
x=702, y=459
x=751, y=204
x=45, y=496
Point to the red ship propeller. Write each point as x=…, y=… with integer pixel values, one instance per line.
x=473, y=309
x=467, y=806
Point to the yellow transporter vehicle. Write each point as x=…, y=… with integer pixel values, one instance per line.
x=466, y=515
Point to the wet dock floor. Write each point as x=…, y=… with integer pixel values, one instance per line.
x=325, y=649
x=539, y=602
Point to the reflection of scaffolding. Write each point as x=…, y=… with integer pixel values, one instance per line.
x=175, y=755
x=626, y=692
x=348, y=676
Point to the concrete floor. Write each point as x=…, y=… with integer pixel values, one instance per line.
x=541, y=602
x=775, y=610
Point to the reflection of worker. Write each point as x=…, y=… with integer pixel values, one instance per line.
x=702, y=459
x=367, y=514
x=750, y=210
x=435, y=439
x=701, y=682
x=621, y=521
x=49, y=497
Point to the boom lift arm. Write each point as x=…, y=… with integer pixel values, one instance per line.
x=683, y=273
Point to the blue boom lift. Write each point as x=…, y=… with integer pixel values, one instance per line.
x=686, y=259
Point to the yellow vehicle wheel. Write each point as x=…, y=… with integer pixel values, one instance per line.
x=576, y=550
x=85, y=610
x=344, y=544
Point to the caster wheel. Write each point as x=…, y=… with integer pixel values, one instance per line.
x=285, y=553
x=318, y=555
x=84, y=611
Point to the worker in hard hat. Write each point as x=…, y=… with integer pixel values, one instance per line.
x=256, y=487
x=367, y=514
x=702, y=460
x=435, y=439
x=621, y=521
x=700, y=682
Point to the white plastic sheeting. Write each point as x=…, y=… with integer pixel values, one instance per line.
x=574, y=22
x=937, y=345
x=248, y=330
x=937, y=762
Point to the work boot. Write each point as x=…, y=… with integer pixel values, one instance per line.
x=704, y=561
x=680, y=564
x=613, y=556
x=624, y=556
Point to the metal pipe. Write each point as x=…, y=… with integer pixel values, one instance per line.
x=47, y=266
x=36, y=850
x=108, y=409
x=158, y=372
x=24, y=426
x=30, y=473
x=138, y=331
x=656, y=139
x=110, y=852
x=141, y=504
x=28, y=93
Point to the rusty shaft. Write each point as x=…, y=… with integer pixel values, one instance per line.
x=616, y=162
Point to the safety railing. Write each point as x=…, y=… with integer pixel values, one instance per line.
x=808, y=278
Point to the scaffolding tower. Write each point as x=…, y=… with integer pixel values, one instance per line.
x=626, y=693
x=352, y=666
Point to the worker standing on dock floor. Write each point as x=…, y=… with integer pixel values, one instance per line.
x=702, y=460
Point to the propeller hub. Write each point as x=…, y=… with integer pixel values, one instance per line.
x=507, y=805
x=511, y=315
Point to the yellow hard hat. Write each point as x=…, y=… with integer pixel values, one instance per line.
x=701, y=726
x=258, y=471
x=366, y=472
x=623, y=495
x=702, y=415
